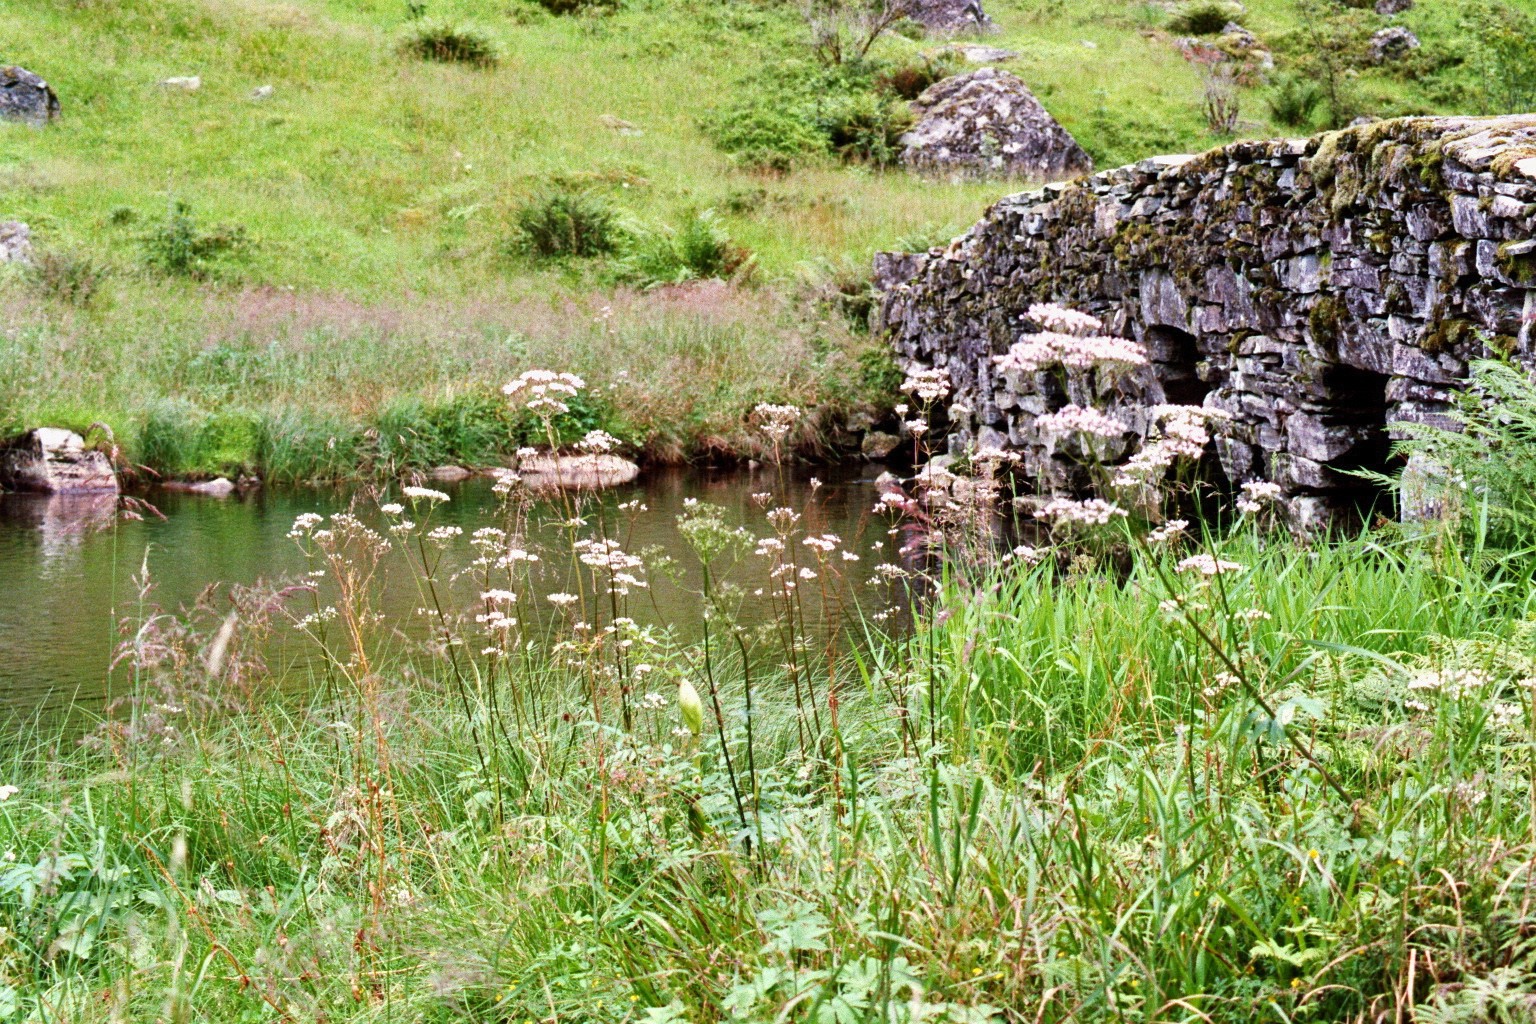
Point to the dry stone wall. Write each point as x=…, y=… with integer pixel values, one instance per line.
x=1318, y=290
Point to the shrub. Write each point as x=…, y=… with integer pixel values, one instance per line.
x=864, y=126
x=907, y=81
x=765, y=133
x=67, y=277
x=1203, y=18
x=450, y=44
x=178, y=248
x=563, y=224
x=699, y=247
x=1294, y=101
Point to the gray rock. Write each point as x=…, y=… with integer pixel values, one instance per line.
x=15, y=242
x=878, y=445
x=1392, y=43
x=185, y=83
x=26, y=98
x=49, y=460
x=448, y=474
x=263, y=92
x=950, y=16
x=218, y=487
x=576, y=472
x=980, y=53
x=987, y=123
x=1393, y=6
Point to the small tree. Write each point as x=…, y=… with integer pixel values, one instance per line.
x=846, y=30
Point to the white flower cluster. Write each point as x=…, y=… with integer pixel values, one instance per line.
x=1061, y=320
x=1035, y=352
x=544, y=391
x=1079, y=419
x=598, y=442
x=1169, y=532
x=1256, y=494
x=1184, y=433
x=1208, y=565
x=424, y=494
x=1092, y=512
x=927, y=385
x=776, y=420
x=605, y=553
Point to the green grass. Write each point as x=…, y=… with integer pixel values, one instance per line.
x=1047, y=803
x=374, y=183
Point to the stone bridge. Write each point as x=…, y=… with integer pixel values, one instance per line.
x=1318, y=290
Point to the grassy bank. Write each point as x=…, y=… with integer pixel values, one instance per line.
x=1297, y=789
x=351, y=247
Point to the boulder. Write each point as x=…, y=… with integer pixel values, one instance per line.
x=26, y=98
x=951, y=15
x=1393, y=6
x=576, y=472
x=1393, y=43
x=263, y=92
x=49, y=460
x=878, y=445
x=988, y=123
x=186, y=83
x=448, y=474
x=15, y=242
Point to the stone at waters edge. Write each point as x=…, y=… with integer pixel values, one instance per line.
x=218, y=487
x=988, y=123
x=50, y=460
x=26, y=98
x=576, y=472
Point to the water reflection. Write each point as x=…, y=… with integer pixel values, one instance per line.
x=68, y=565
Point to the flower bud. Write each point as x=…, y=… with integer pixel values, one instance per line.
x=691, y=707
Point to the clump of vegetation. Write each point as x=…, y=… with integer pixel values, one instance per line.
x=71, y=278
x=761, y=133
x=449, y=43
x=865, y=126
x=1293, y=100
x=177, y=247
x=1507, y=54
x=908, y=80
x=697, y=248
x=566, y=224
x=1204, y=17
x=569, y=7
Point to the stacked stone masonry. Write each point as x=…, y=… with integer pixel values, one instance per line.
x=1318, y=290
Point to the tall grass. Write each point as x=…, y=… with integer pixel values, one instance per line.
x=1299, y=788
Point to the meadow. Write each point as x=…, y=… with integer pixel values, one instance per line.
x=237, y=284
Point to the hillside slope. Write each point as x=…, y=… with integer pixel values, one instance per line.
x=373, y=198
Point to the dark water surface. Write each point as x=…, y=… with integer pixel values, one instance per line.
x=67, y=566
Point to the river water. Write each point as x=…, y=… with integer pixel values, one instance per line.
x=69, y=566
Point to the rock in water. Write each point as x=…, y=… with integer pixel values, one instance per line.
x=54, y=461
x=950, y=15
x=987, y=123
x=26, y=98
x=15, y=242
x=576, y=472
